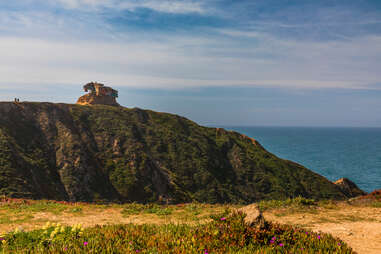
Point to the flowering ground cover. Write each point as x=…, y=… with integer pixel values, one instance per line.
x=223, y=234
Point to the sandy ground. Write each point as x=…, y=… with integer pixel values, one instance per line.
x=360, y=227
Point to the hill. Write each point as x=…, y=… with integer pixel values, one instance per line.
x=93, y=153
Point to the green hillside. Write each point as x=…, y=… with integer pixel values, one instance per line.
x=95, y=153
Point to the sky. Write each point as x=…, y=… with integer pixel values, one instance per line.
x=216, y=62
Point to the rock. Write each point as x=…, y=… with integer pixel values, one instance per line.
x=349, y=188
x=254, y=216
x=99, y=94
x=91, y=99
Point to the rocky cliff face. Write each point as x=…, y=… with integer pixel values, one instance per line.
x=92, y=99
x=87, y=153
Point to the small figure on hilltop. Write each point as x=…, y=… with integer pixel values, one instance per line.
x=99, y=94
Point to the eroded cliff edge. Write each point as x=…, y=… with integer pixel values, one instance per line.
x=88, y=153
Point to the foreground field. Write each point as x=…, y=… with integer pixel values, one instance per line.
x=358, y=225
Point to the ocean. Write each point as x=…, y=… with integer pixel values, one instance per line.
x=354, y=153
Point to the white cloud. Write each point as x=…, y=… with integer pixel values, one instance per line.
x=166, y=6
x=168, y=65
x=165, y=60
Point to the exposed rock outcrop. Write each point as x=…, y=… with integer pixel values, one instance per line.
x=92, y=99
x=99, y=94
x=349, y=188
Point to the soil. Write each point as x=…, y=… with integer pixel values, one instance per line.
x=360, y=227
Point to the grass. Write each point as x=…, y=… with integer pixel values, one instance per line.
x=298, y=202
x=224, y=234
x=134, y=209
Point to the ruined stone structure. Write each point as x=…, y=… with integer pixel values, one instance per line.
x=99, y=94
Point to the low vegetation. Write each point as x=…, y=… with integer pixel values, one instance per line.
x=224, y=234
x=154, y=228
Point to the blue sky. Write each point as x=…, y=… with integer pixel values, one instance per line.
x=249, y=62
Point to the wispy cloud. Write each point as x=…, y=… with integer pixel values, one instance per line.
x=48, y=46
x=167, y=65
x=166, y=6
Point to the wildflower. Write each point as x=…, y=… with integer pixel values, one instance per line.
x=281, y=244
x=273, y=238
x=271, y=241
x=339, y=244
x=205, y=251
x=318, y=237
x=65, y=248
x=85, y=243
x=3, y=242
x=223, y=218
x=137, y=251
x=306, y=233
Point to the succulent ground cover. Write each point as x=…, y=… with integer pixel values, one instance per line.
x=223, y=234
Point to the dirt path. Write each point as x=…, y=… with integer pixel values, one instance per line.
x=360, y=227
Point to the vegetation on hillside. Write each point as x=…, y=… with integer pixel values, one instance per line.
x=105, y=153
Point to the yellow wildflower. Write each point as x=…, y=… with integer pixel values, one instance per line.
x=47, y=225
x=3, y=242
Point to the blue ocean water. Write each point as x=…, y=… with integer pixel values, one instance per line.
x=354, y=153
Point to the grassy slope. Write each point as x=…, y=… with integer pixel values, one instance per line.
x=61, y=151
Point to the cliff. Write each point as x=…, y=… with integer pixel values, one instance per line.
x=88, y=153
